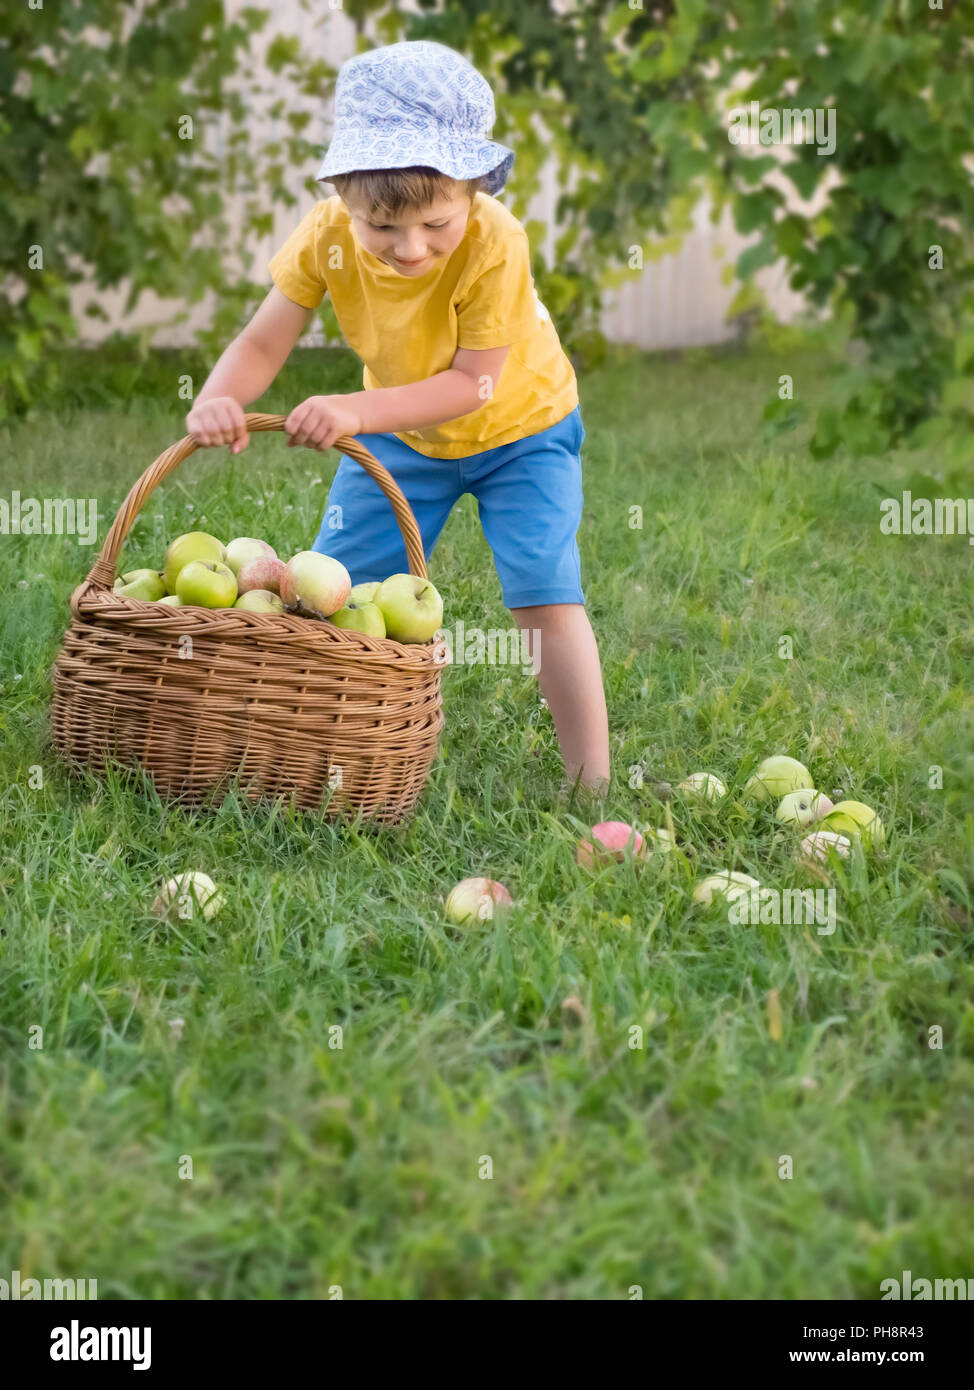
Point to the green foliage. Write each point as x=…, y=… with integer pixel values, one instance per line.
x=897, y=77
x=111, y=125
x=632, y=103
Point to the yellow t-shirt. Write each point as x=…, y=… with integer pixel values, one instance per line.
x=408, y=328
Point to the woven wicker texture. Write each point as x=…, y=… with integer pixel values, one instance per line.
x=291, y=705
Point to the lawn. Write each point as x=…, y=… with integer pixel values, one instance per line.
x=472, y=1137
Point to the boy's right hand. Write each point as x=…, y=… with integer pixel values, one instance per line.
x=219, y=420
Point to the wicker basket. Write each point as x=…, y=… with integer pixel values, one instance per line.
x=292, y=706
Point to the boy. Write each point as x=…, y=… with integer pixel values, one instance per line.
x=467, y=388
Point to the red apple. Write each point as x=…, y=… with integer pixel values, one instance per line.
x=609, y=843
x=315, y=584
x=260, y=572
x=245, y=548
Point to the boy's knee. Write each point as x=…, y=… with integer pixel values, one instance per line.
x=539, y=613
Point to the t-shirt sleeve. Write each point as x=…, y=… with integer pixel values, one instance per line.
x=501, y=305
x=294, y=268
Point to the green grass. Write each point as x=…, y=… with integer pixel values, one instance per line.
x=612, y=1166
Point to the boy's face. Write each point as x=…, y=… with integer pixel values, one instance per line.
x=415, y=239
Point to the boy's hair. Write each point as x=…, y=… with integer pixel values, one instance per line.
x=391, y=191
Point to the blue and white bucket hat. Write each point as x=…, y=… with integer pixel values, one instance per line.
x=415, y=103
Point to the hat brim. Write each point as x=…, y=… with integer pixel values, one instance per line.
x=490, y=161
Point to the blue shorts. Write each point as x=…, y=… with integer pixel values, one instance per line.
x=529, y=499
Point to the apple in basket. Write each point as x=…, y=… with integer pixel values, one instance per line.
x=203, y=585
x=260, y=601
x=365, y=593
x=147, y=585
x=195, y=545
x=244, y=548
x=315, y=584
x=360, y=617
x=260, y=572
x=411, y=607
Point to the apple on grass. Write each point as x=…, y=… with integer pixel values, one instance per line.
x=360, y=617
x=703, y=784
x=365, y=593
x=186, y=895
x=147, y=585
x=203, y=585
x=777, y=777
x=410, y=606
x=658, y=841
x=476, y=900
x=195, y=545
x=854, y=818
x=260, y=572
x=244, y=548
x=260, y=601
x=315, y=584
x=802, y=807
x=728, y=885
x=822, y=843
x=611, y=841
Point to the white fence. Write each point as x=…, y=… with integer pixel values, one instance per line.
x=677, y=301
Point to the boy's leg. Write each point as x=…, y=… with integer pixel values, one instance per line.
x=529, y=495
x=571, y=681
x=359, y=527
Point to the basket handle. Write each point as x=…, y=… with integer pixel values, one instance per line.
x=103, y=571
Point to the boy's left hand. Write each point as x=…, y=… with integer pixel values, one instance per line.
x=320, y=420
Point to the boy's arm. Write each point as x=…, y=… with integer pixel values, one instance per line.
x=245, y=370
x=259, y=351
x=470, y=380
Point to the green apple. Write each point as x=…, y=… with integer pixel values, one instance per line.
x=729, y=885
x=195, y=545
x=365, y=593
x=244, y=548
x=171, y=601
x=147, y=585
x=476, y=900
x=260, y=601
x=188, y=894
x=777, y=777
x=657, y=841
x=360, y=617
x=853, y=818
x=203, y=585
x=802, y=807
x=411, y=607
x=703, y=784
